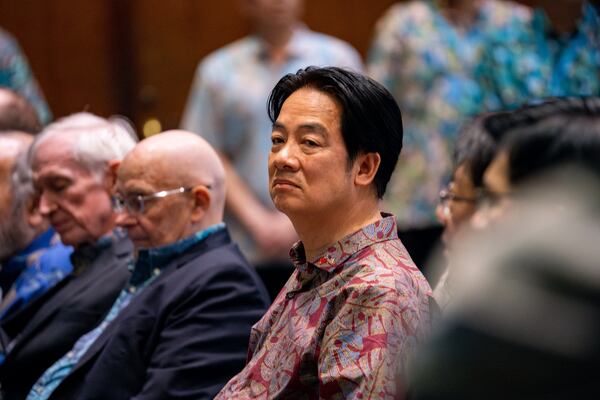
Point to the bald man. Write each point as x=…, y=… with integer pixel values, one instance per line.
x=180, y=327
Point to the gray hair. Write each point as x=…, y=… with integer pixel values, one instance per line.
x=15, y=232
x=99, y=140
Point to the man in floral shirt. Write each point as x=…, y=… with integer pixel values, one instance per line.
x=348, y=319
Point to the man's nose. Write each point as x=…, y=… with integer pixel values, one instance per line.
x=124, y=218
x=46, y=203
x=442, y=212
x=286, y=157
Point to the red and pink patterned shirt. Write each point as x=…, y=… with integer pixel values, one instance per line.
x=343, y=326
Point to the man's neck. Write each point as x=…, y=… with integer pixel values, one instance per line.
x=564, y=19
x=461, y=13
x=276, y=41
x=318, y=232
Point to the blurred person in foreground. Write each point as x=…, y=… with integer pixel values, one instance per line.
x=347, y=320
x=180, y=327
x=525, y=321
x=32, y=259
x=426, y=53
x=70, y=162
x=226, y=106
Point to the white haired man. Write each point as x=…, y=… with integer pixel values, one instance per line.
x=70, y=161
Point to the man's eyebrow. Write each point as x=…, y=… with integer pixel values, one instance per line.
x=313, y=127
x=278, y=126
x=309, y=126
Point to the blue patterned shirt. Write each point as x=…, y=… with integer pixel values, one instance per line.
x=534, y=62
x=43, y=264
x=147, y=268
x=429, y=65
x=227, y=103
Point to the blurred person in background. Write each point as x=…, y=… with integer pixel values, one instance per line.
x=226, y=106
x=348, y=319
x=16, y=75
x=426, y=53
x=180, y=327
x=525, y=322
x=70, y=161
x=17, y=114
x=475, y=149
x=32, y=259
x=556, y=54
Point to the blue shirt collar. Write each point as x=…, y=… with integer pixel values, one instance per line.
x=151, y=261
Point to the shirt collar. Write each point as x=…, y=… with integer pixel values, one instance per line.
x=151, y=261
x=336, y=254
x=85, y=254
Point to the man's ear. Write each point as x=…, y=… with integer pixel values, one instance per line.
x=367, y=165
x=111, y=175
x=202, y=200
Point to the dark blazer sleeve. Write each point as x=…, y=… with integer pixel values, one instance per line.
x=204, y=341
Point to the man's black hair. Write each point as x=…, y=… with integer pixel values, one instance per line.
x=556, y=133
x=370, y=122
x=475, y=148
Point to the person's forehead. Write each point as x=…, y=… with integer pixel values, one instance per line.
x=310, y=104
x=139, y=173
x=56, y=157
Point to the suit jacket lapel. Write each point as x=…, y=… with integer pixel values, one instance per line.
x=210, y=242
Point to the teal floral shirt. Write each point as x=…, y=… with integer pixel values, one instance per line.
x=16, y=75
x=429, y=66
x=534, y=62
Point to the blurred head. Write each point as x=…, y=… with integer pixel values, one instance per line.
x=475, y=149
x=71, y=160
x=17, y=114
x=169, y=187
x=336, y=138
x=19, y=222
x=554, y=135
x=272, y=14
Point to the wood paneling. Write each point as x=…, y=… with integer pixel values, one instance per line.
x=137, y=57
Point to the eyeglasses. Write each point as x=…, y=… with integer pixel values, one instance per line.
x=446, y=196
x=136, y=204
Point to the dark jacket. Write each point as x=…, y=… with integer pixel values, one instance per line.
x=47, y=328
x=183, y=337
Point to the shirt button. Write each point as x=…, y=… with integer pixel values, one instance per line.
x=290, y=295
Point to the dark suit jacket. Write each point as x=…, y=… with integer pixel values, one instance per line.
x=48, y=328
x=183, y=337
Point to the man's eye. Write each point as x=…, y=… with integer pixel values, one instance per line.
x=311, y=143
x=58, y=186
x=276, y=140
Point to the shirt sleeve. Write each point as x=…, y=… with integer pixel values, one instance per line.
x=203, y=112
x=366, y=346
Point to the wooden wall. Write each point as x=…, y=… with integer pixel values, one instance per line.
x=137, y=57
